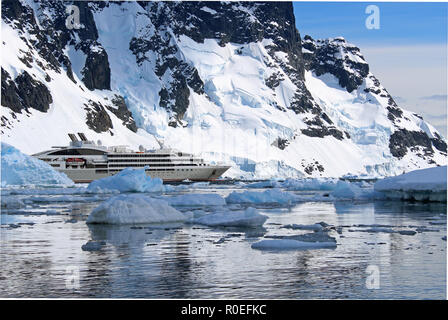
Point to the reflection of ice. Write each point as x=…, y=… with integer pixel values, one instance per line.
x=117, y=235
x=290, y=244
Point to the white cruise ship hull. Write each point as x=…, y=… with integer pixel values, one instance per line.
x=208, y=173
x=84, y=161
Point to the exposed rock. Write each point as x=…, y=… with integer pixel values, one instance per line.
x=96, y=70
x=24, y=93
x=97, y=117
x=336, y=56
x=122, y=112
x=403, y=139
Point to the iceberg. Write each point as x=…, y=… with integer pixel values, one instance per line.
x=134, y=209
x=268, y=196
x=208, y=199
x=128, y=180
x=247, y=218
x=419, y=185
x=20, y=169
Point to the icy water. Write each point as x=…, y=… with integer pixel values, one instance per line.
x=41, y=253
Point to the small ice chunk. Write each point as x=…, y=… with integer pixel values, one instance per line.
x=134, y=208
x=268, y=196
x=93, y=246
x=247, y=218
x=378, y=230
x=129, y=180
x=290, y=244
x=207, y=199
x=314, y=227
x=407, y=232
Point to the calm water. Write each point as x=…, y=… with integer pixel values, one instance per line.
x=40, y=242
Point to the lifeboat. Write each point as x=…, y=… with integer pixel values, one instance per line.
x=75, y=160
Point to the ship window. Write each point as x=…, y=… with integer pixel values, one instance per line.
x=77, y=152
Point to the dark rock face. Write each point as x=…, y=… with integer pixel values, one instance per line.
x=24, y=93
x=98, y=119
x=234, y=22
x=403, y=139
x=280, y=143
x=337, y=57
x=315, y=166
x=439, y=143
x=96, y=70
x=120, y=109
x=10, y=98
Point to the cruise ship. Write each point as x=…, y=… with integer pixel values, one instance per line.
x=84, y=161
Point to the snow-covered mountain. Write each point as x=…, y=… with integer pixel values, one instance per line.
x=230, y=81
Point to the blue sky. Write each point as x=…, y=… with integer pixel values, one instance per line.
x=408, y=53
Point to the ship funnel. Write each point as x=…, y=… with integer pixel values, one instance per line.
x=82, y=136
x=73, y=137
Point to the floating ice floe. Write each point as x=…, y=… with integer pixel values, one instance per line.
x=318, y=239
x=128, y=180
x=268, y=196
x=290, y=244
x=20, y=169
x=247, y=218
x=323, y=184
x=314, y=227
x=208, y=199
x=351, y=191
x=63, y=198
x=419, y=185
x=265, y=184
x=93, y=246
x=134, y=208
